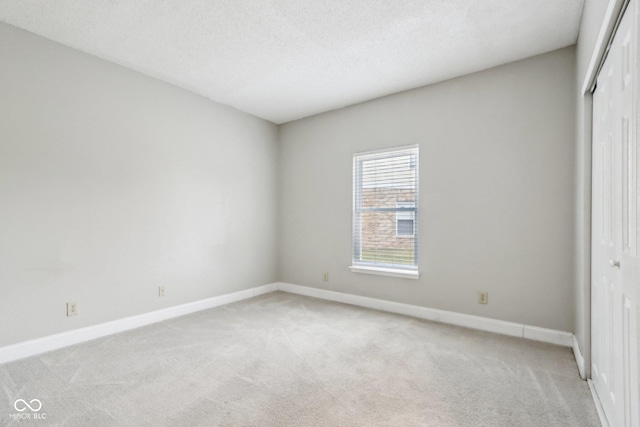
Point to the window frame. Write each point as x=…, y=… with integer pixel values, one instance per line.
x=372, y=267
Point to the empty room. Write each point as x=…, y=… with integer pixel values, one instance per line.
x=319, y=213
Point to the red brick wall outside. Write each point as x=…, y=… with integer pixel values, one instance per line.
x=379, y=228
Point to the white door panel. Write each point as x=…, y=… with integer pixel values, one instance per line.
x=614, y=218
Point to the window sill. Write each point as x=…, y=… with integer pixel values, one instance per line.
x=405, y=274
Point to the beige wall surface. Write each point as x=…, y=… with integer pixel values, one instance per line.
x=497, y=155
x=113, y=183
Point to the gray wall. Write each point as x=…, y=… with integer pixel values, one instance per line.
x=497, y=157
x=113, y=183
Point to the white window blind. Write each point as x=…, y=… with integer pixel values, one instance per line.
x=385, y=207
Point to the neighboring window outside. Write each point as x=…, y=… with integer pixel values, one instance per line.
x=405, y=219
x=385, y=206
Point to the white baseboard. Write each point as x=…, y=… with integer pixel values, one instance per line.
x=76, y=336
x=64, y=339
x=547, y=335
x=599, y=408
x=450, y=317
x=579, y=358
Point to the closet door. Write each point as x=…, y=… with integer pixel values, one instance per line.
x=614, y=237
x=604, y=276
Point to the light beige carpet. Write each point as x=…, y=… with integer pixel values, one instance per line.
x=282, y=359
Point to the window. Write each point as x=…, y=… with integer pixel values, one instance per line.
x=385, y=206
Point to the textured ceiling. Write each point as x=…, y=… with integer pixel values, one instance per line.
x=285, y=59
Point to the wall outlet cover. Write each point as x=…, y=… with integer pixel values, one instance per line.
x=483, y=297
x=72, y=308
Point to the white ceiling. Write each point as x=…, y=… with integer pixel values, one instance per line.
x=287, y=59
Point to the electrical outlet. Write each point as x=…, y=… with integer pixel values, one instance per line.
x=325, y=277
x=160, y=291
x=483, y=297
x=72, y=308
